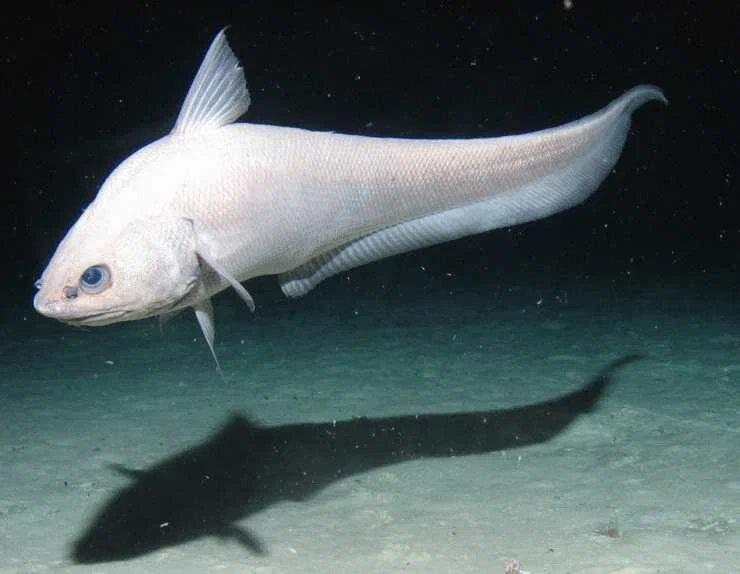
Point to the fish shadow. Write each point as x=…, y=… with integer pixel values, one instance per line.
x=244, y=468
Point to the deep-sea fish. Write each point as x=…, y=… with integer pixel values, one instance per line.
x=215, y=203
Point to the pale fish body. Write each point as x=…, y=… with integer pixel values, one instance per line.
x=216, y=203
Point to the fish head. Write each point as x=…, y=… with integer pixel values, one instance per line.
x=99, y=276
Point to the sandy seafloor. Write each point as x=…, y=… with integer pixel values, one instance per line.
x=309, y=478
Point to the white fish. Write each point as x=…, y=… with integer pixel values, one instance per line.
x=216, y=203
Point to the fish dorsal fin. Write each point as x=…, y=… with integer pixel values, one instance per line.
x=218, y=94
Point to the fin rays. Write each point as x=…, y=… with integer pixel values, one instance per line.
x=218, y=94
x=204, y=314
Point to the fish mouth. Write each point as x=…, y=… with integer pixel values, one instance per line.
x=96, y=319
x=61, y=312
x=92, y=319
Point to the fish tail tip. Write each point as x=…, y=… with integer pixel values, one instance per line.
x=648, y=92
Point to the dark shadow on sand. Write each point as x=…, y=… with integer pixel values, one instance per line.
x=244, y=468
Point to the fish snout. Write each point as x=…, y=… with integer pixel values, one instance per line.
x=56, y=305
x=45, y=306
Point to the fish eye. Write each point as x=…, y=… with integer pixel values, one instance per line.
x=95, y=279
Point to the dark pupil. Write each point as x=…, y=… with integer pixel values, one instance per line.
x=92, y=276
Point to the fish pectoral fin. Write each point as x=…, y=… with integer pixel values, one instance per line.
x=218, y=94
x=204, y=254
x=204, y=314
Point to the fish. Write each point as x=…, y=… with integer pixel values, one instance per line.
x=217, y=202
